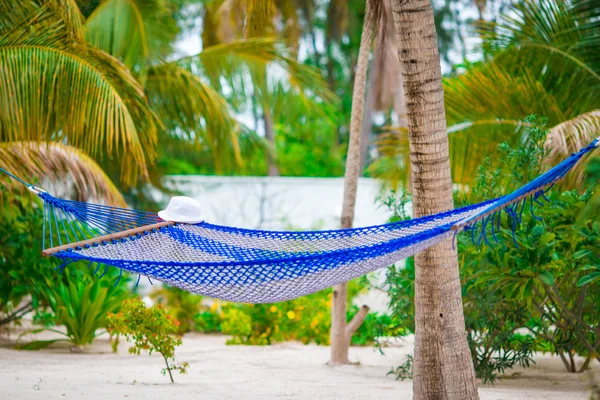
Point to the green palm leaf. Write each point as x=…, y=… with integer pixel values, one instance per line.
x=25, y=16
x=137, y=32
x=557, y=42
x=192, y=109
x=235, y=60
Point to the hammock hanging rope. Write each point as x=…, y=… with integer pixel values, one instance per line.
x=258, y=266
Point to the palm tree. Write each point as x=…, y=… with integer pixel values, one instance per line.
x=442, y=361
x=538, y=59
x=341, y=332
x=55, y=88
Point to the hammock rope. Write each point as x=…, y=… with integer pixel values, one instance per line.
x=259, y=266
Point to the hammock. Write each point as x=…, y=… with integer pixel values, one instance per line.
x=259, y=266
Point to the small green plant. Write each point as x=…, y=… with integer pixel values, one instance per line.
x=151, y=329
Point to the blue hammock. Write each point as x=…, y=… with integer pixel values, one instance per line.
x=258, y=266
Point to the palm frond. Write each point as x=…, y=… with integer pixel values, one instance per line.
x=52, y=88
x=70, y=13
x=234, y=62
x=190, y=108
x=570, y=136
x=20, y=15
x=556, y=42
x=485, y=106
x=48, y=93
x=490, y=92
x=65, y=168
x=32, y=24
x=137, y=32
x=392, y=165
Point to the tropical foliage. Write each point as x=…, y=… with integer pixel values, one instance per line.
x=23, y=271
x=99, y=102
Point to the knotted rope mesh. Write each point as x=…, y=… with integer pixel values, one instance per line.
x=258, y=266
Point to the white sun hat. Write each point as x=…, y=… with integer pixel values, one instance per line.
x=182, y=209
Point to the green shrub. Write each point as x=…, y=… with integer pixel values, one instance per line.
x=306, y=319
x=23, y=269
x=208, y=321
x=150, y=329
x=81, y=303
x=30, y=282
x=184, y=306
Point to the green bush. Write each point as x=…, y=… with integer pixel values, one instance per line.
x=30, y=282
x=81, y=304
x=208, y=321
x=23, y=269
x=306, y=319
x=150, y=329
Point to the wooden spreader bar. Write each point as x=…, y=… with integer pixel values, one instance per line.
x=107, y=238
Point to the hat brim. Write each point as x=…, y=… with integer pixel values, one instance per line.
x=167, y=216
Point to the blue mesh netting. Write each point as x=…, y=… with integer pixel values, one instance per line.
x=264, y=266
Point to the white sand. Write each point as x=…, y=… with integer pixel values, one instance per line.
x=217, y=371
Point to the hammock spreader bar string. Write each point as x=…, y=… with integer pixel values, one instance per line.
x=258, y=266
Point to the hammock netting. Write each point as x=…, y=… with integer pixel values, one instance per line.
x=259, y=266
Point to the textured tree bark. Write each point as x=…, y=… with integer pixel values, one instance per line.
x=443, y=368
x=400, y=105
x=367, y=121
x=273, y=169
x=341, y=333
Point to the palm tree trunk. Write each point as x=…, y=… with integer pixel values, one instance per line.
x=400, y=105
x=341, y=333
x=443, y=366
x=367, y=122
x=273, y=169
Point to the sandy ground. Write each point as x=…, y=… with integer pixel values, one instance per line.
x=217, y=371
